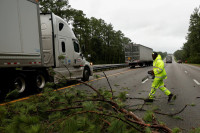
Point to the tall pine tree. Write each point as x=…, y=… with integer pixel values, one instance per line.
x=191, y=48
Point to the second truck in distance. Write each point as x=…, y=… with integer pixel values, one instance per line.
x=169, y=59
x=137, y=54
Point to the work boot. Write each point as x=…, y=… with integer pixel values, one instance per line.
x=170, y=97
x=148, y=100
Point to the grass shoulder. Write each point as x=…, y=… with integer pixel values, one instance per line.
x=198, y=65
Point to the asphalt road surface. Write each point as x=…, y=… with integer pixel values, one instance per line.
x=183, y=81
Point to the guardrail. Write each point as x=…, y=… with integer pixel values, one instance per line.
x=108, y=66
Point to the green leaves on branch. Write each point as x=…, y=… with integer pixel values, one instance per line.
x=59, y=7
x=117, y=127
x=148, y=116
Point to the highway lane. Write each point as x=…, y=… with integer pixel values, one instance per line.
x=181, y=82
x=192, y=71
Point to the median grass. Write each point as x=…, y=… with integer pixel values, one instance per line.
x=198, y=65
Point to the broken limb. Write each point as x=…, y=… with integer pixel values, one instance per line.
x=130, y=116
x=156, y=112
x=108, y=83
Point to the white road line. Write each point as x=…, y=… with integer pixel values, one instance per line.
x=186, y=72
x=196, y=82
x=145, y=80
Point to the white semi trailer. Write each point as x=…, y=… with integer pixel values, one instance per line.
x=31, y=44
x=138, y=55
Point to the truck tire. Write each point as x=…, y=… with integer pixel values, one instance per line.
x=40, y=80
x=141, y=64
x=132, y=66
x=86, y=74
x=19, y=83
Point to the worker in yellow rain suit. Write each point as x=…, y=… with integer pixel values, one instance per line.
x=160, y=74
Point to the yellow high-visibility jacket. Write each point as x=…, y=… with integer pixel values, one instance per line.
x=158, y=68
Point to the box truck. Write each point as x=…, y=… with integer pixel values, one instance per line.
x=138, y=55
x=169, y=59
x=31, y=47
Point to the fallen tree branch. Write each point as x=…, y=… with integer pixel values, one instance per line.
x=142, y=106
x=173, y=113
x=135, y=98
x=108, y=83
x=162, y=127
x=156, y=112
x=106, y=122
x=128, y=114
x=65, y=109
x=98, y=93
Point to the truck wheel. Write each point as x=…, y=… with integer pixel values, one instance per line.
x=86, y=74
x=40, y=80
x=20, y=83
x=132, y=66
x=141, y=65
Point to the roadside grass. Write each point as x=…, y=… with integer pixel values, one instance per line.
x=198, y=65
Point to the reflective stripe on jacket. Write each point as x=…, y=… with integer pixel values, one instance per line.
x=158, y=68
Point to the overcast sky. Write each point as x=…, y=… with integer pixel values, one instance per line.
x=159, y=24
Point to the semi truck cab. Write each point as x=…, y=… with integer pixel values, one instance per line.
x=58, y=40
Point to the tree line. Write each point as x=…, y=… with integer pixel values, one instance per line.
x=162, y=54
x=101, y=41
x=190, y=51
